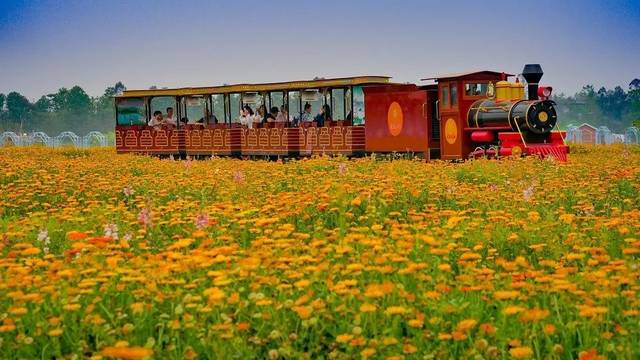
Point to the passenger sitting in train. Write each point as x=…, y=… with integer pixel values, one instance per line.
x=306, y=114
x=273, y=114
x=208, y=118
x=169, y=119
x=260, y=115
x=324, y=116
x=246, y=116
x=283, y=115
x=156, y=121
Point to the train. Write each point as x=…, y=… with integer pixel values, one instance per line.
x=458, y=116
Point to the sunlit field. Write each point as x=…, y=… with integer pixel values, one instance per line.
x=121, y=256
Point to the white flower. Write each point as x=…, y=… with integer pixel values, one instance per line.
x=111, y=230
x=43, y=235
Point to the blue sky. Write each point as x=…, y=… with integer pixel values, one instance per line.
x=45, y=45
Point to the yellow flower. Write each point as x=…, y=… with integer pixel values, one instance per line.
x=506, y=295
x=55, y=332
x=466, y=325
x=344, y=338
x=395, y=310
x=367, y=308
x=368, y=352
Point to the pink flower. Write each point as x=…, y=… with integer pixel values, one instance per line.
x=238, y=176
x=528, y=193
x=202, y=221
x=342, y=169
x=128, y=191
x=144, y=217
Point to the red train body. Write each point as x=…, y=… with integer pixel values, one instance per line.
x=458, y=117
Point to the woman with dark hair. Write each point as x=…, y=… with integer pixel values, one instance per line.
x=246, y=116
x=324, y=116
x=273, y=114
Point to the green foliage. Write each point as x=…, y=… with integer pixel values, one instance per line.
x=67, y=109
x=613, y=108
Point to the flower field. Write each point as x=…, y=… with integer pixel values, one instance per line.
x=117, y=256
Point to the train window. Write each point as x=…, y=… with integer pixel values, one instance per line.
x=293, y=102
x=217, y=100
x=253, y=99
x=314, y=98
x=161, y=103
x=475, y=89
x=130, y=111
x=276, y=98
x=358, y=106
x=338, y=104
x=194, y=108
x=454, y=95
x=444, y=95
x=234, y=107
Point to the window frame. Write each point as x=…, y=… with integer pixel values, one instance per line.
x=145, y=110
x=474, y=97
x=445, y=101
x=212, y=109
x=184, y=107
x=453, y=98
x=344, y=102
x=229, y=114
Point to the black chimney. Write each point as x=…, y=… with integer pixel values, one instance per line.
x=532, y=73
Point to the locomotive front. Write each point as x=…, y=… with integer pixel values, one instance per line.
x=509, y=108
x=530, y=119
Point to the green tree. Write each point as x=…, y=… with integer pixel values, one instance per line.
x=634, y=106
x=18, y=109
x=105, y=113
x=2, y=97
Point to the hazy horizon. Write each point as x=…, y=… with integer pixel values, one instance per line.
x=46, y=45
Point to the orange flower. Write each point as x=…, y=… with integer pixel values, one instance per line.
x=76, y=235
x=521, y=352
x=304, y=312
x=126, y=352
x=549, y=329
x=466, y=325
x=487, y=329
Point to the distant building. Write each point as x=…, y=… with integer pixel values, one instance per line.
x=587, y=134
x=618, y=138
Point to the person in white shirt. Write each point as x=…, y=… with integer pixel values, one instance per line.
x=260, y=115
x=246, y=116
x=156, y=121
x=170, y=120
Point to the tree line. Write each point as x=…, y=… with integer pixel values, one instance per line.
x=74, y=110
x=615, y=108
x=66, y=110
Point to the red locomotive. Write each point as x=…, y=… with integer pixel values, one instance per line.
x=461, y=116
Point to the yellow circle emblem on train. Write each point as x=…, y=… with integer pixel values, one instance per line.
x=543, y=116
x=395, y=118
x=516, y=151
x=451, y=131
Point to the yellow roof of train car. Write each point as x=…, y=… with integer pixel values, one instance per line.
x=288, y=85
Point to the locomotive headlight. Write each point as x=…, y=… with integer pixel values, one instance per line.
x=544, y=92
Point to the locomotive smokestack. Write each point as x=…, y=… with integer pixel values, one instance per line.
x=532, y=73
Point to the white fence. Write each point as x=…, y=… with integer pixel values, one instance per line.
x=67, y=138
